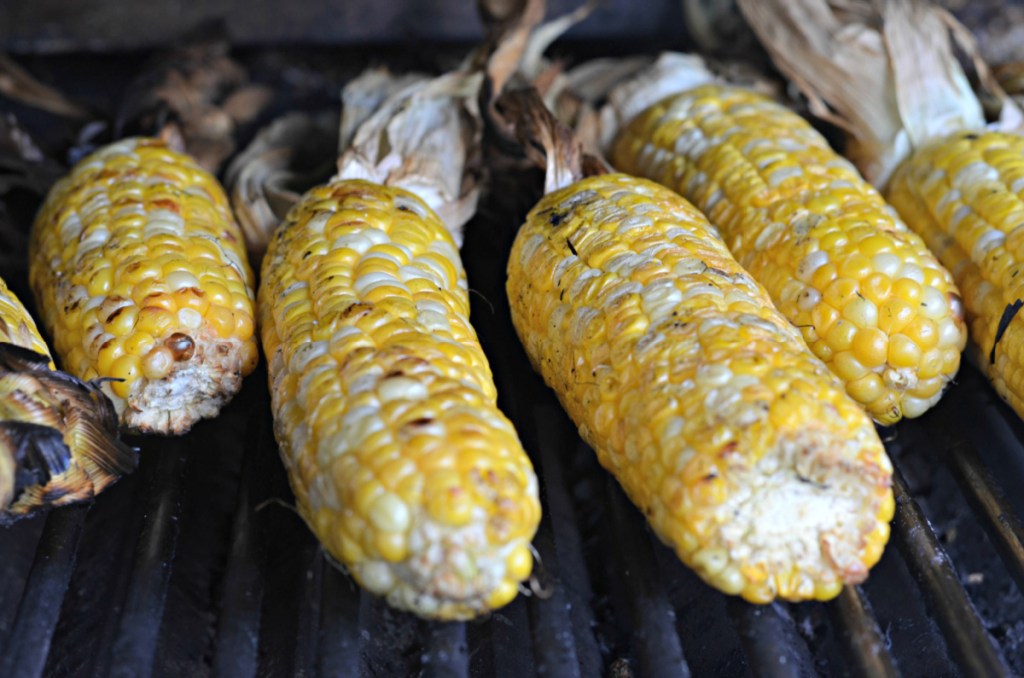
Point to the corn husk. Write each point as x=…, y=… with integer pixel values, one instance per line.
x=287, y=157
x=19, y=85
x=423, y=135
x=194, y=97
x=885, y=73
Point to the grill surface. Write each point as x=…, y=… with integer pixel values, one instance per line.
x=197, y=565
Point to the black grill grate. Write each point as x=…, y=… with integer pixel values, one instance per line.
x=197, y=566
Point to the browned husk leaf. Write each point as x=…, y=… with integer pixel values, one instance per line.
x=16, y=83
x=269, y=176
x=517, y=58
x=424, y=136
x=194, y=97
x=611, y=92
x=546, y=142
x=885, y=72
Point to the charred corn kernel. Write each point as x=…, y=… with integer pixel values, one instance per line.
x=144, y=259
x=385, y=408
x=58, y=435
x=799, y=218
x=964, y=195
x=739, y=446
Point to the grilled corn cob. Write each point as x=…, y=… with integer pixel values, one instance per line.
x=738, y=445
x=58, y=435
x=965, y=196
x=140, y=274
x=960, y=187
x=869, y=298
x=384, y=406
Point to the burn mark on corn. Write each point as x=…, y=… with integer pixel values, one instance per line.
x=808, y=481
x=167, y=204
x=556, y=218
x=181, y=345
x=728, y=448
x=358, y=309
x=113, y=316
x=571, y=248
x=1008, y=313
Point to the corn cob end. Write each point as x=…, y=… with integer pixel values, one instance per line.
x=181, y=380
x=807, y=518
x=449, y=563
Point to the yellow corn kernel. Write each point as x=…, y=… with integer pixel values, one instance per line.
x=145, y=273
x=791, y=209
x=384, y=405
x=903, y=352
x=696, y=393
x=871, y=347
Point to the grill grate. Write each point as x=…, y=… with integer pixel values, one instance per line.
x=196, y=565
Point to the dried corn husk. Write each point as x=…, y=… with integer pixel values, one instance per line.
x=423, y=136
x=287, y=157
x=18, y=84
x=194, y=97
x=888, y=76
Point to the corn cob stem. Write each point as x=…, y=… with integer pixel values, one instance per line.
x=139, y=271
x=737, y=444
x=384, y=406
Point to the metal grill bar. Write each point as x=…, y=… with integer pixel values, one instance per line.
x=556, y=440
x=554, y=646
x=774, y=648
x=446, y=654
x=39, y=608
x=986, y=499
x=339, y=625
x=291, y=595
x=655, y=641
x=865, y=646
x=237, y=638
x=970, y=643
x=142, y=614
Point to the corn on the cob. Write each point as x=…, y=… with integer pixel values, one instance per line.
x=58, y=435
x=384, y=406
x=958, y=186
x=870, y=299
x=965, y=196
x=737, y=444
x=140, y=274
